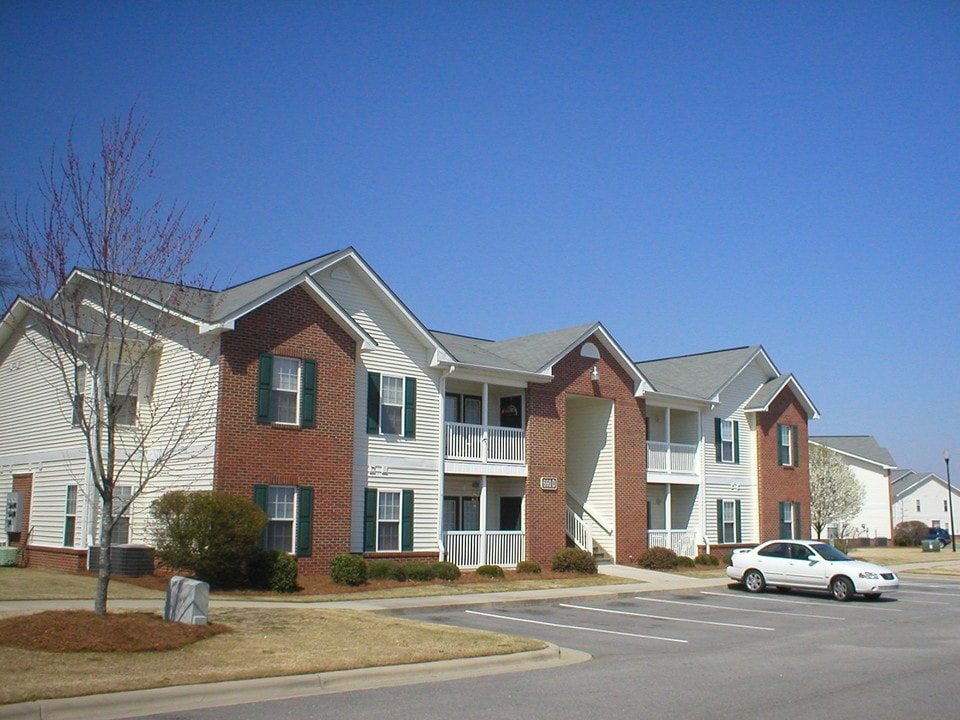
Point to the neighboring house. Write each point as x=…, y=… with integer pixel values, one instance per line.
x=727, y=433
x=924, y=497
x=872, y=466
x=359, y=430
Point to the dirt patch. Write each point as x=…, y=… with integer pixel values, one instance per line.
x=85, y=631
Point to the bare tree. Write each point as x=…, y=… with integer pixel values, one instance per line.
x=836, y=496
x=109, y=287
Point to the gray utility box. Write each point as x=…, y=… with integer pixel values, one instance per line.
x=188, y=601
x=930, y=545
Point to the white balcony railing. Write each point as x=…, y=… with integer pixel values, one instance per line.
x=484, y=443
x=682, y=542
x=472, y=548
x=677, y=458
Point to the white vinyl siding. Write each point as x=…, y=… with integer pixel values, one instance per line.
x=591, y=471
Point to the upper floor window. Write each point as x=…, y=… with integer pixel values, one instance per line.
x=124, y=383
x=727, y=440
x=286, y=392
x=79, y=392
x=391, y=405
x=463, y=408
x=788, y=445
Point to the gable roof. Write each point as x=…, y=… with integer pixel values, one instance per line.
x=908, y=481
x=861, y=447
x=770, y=390
x=532, y=355
x=701, y=376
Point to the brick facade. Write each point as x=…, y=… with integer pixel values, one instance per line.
x=777, y=483
x=546, y=454
x=321, y=457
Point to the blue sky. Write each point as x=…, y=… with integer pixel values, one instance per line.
x=695, y=175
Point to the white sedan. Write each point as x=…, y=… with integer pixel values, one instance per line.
x=809, y=564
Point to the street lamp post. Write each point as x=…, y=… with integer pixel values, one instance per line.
x=953, y=535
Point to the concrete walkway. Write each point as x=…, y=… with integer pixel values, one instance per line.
x=117, y=706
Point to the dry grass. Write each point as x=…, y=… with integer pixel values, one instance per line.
x=261, y=643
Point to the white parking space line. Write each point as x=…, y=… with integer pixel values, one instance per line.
x=576, y=627
x=927, y=593
x=665, y=617
x=736, y=609
x=784, y=601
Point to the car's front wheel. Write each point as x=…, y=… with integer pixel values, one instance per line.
x=842, y=589
x=943, y=543
x=753, y=581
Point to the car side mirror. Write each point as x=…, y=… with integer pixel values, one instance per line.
x=813, y=558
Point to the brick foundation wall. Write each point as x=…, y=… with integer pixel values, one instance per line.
x=777, y=483
x=545, y=520
x=321, y=457
x=58, y=559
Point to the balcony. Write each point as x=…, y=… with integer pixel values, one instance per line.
x=682, y=542
x=672, y=458
x=465, y=442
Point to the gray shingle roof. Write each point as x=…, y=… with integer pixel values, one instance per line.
x=698, y=376
x=530, y=353
x=861, y=446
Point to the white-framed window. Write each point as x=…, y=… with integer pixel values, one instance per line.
x=463, y=408
x=918, y=505
x=79, y=393
x=70, y=517
x=788, y=513
x=391, y=405
x=728, y=521
x=281, y=512
x=461, y=513
x=285, y=391
x=120, y=535
x=388, y=520
x=123, y=403
x=726, y=441
x=787, y=445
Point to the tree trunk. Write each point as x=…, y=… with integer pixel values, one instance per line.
x=103, y=576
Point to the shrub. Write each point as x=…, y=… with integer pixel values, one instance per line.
x=685, y=562
x=491, y=571
x=728, y=558
x=417, y=571
x=347, y=569
x=574, y=560
x=528, y=567
x=706, y=559
x=273, y=570
x=208, y=533
x=909, y=533
x=384, y=569
x=840, y=544
x=659, y=558
x=445, y=571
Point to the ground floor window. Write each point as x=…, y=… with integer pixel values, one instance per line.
x=388, y=520
x=461, y=513
x=729, y=521
x=289, y=510
x=70, y=517
x=790, y=526
x=120, y=535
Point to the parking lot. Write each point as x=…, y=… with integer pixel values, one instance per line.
x=703, y=654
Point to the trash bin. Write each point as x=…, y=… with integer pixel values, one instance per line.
x=930, y=545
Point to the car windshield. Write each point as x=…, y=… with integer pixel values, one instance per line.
x=828, y=552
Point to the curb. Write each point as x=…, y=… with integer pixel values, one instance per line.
x=137, y=703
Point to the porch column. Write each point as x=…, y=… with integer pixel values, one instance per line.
x=485, y=424
x=483, y=515
x=668, y=508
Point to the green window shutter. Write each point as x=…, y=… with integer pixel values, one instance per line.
x=795, y=439
x=264, y=382
x=784, y=530
x=720, y=520
x=736, y=441
x=260, y=500
x=305, y=522
x=308, y=393
x=369, y=520
x=739, y=523
x=410, y=407
x=373, y=403
x=798, y=531
x=718, y=437
x=406, y=521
